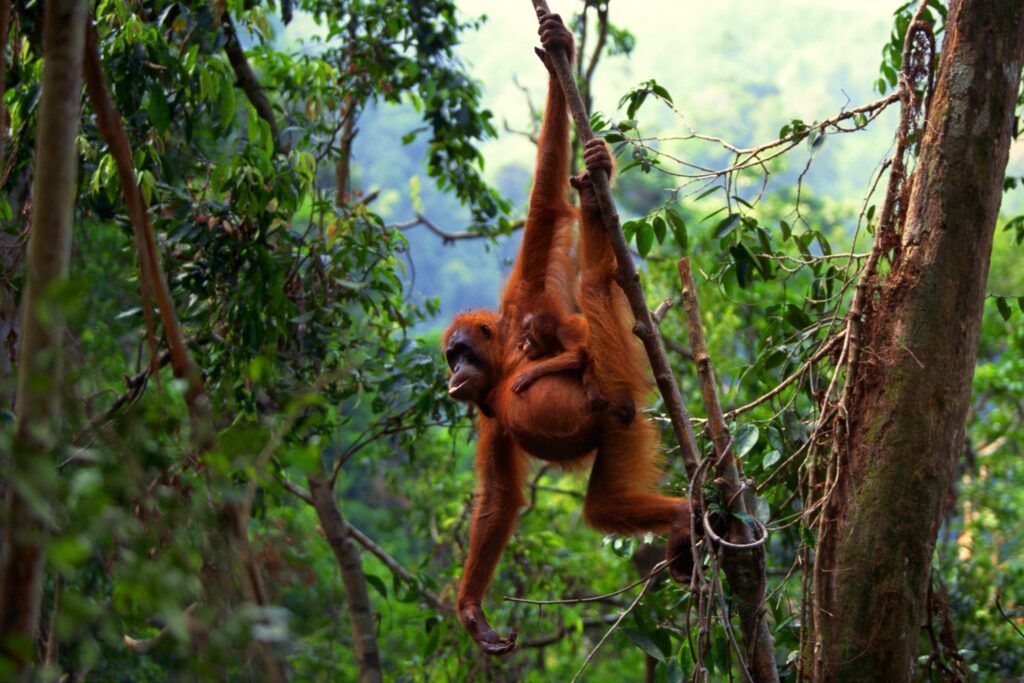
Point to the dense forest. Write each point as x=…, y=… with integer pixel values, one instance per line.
x=753, y=412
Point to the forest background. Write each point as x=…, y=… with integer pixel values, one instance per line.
x=314, y=313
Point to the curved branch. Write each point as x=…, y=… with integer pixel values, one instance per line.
x=247, y=80
x=449, y=237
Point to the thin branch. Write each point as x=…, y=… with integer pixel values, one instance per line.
x=611, y=630
x=678, y=349
x=657, y=569
x=135, y=386
x=247, y=80
x=552, y=638
x=1009, y=621
x=662, y=310
x=392, y=564
x=744, y=569
x=800, y=372
x=449, y=237
x=108, y=121
x=387, y=560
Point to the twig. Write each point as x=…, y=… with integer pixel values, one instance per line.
x=662, y=310
x=551, y=639
x=611, y=630
x=824, y=350
x=1009, y=621
x=449, y=237
x=678, y=349
x=657, y=569
x=135, y=386
x=392, y=564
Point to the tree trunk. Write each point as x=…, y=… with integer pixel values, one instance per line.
x=360, y=611
x=32, y=479
x=909, y=401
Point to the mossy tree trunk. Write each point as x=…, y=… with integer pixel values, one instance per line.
x=906, y=416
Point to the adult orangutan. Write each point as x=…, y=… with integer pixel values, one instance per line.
x=553, y=418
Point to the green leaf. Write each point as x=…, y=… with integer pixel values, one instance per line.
x=1020, y=303
x=644, y=643
x=746, y=438
x=661, y=92
x=726, y=225
x=146, y=184
x=770, y=458
x=644, y=239
x=796, y=317
x=742, y=201
x=227, y=105
x=708, y=191
x=629, y=228
x=660, y=229
x=158, y=109
x=635, y=102
x=826, y=248
x=744, y=264
x=786, y=230
x=378, y=584
x=1004, y=307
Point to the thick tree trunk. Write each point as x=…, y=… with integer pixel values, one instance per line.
x=910, y=398
x=40, y=379
x=339, y=536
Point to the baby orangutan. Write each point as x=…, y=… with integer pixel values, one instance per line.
x=562, y=342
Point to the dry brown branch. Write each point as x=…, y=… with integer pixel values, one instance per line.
x=662, y=310
x=743, y=560
x=343, y=169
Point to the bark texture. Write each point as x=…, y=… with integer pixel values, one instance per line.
x=744, y=567
x=40, y=376
x=910, y=396
x=360, y=612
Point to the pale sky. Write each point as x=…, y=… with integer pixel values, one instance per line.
x=816, y=56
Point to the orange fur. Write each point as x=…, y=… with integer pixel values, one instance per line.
x=553, y=419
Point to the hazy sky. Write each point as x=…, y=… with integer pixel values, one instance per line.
x=815, y=57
